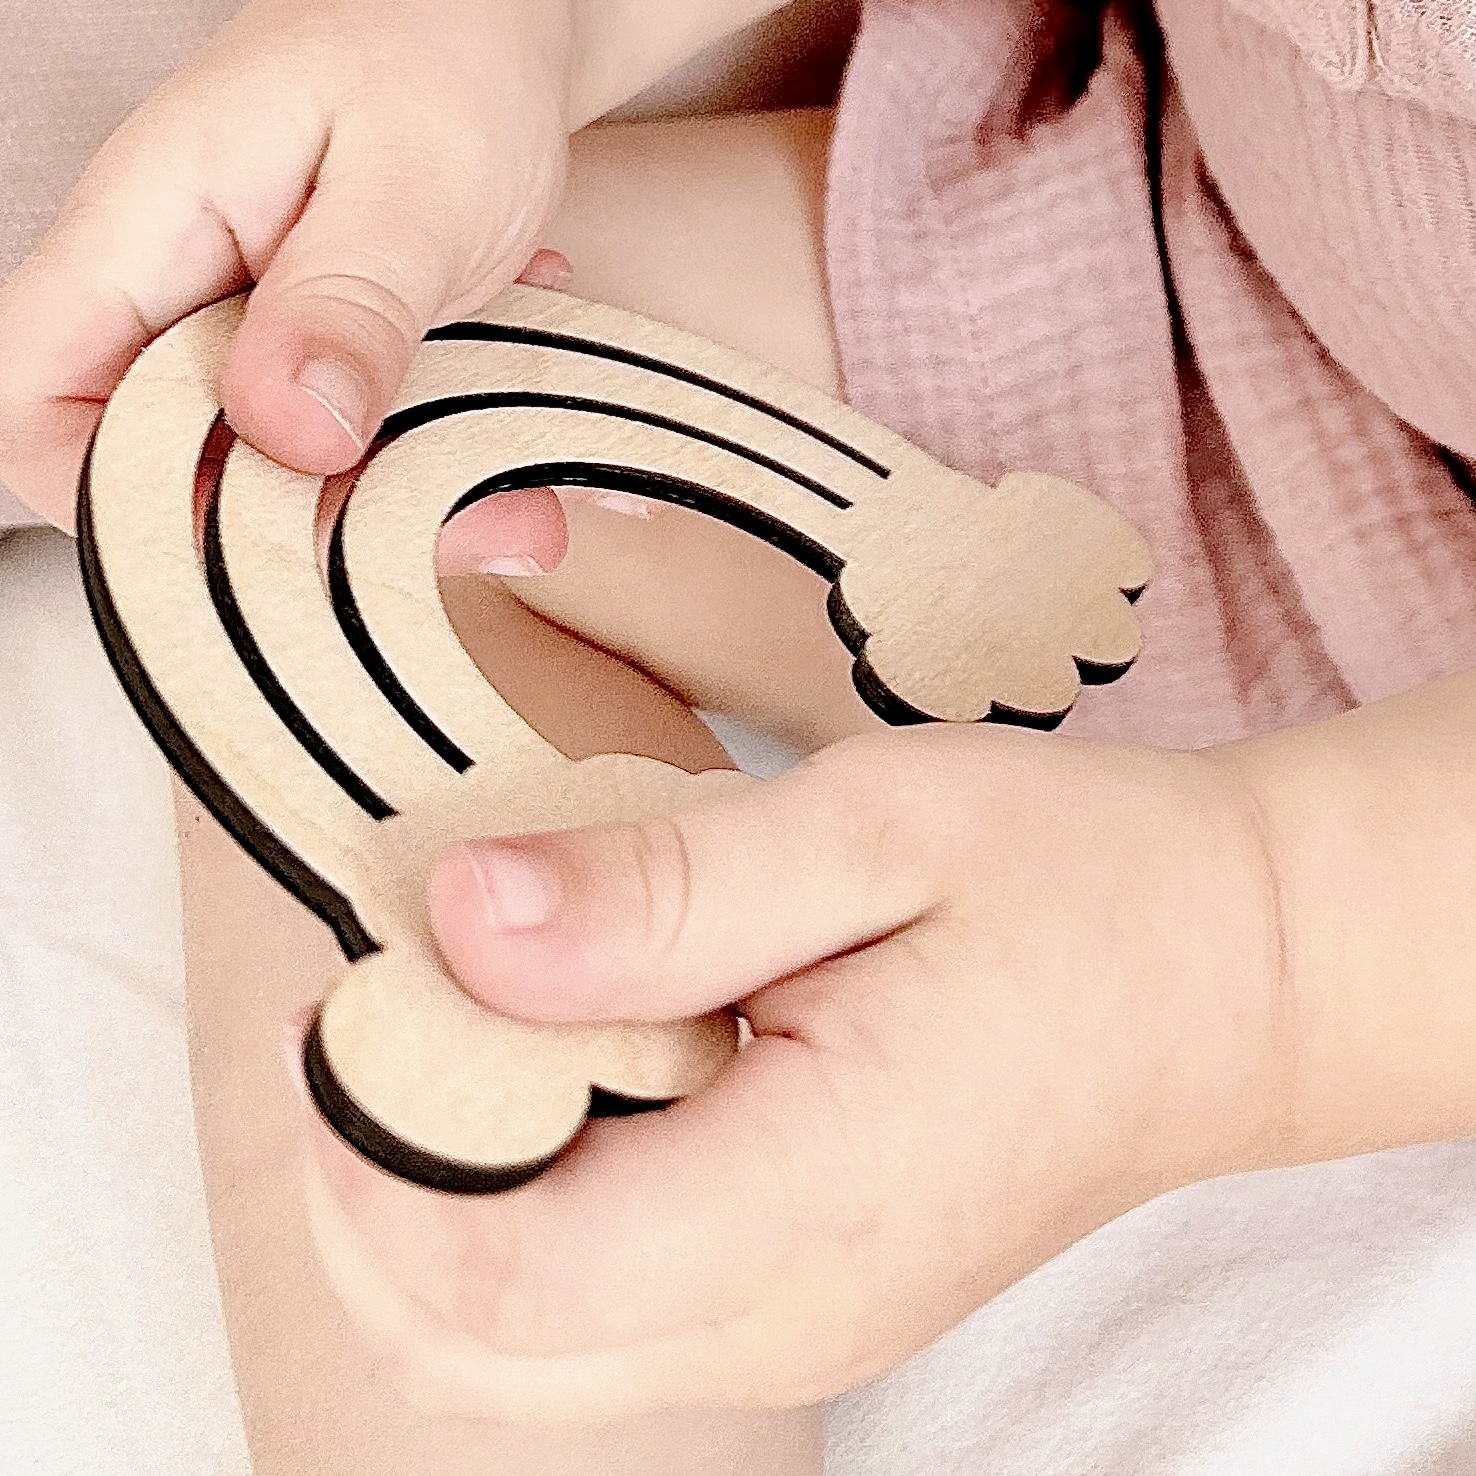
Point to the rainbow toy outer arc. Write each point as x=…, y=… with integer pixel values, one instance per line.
x=333, y=723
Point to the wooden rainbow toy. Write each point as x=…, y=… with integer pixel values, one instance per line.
x=328, y=716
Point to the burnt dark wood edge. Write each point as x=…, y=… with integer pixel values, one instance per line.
x=340, y=587
x=347, y=1117
x=264, y=847
x=371, y=1140
x=253, y=659
x=659, y=487
x=415, y=416
x=544, y=338
x=899, y=713
x=356, y=632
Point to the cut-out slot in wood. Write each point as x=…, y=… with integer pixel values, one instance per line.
x=576, y=695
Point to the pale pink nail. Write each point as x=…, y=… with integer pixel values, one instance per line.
x=513, y=565
x=291, y=1041
x=625, y=503
x=548, y=268
x=341, y=391
x=519, y=892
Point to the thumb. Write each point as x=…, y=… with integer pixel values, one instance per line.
x=396, y=236
x=674, y=916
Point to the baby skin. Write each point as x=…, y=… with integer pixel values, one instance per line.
x=1003, y=986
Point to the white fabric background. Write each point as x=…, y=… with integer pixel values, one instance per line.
x=1320, y=1322
x=112, y=1351
x=13, y=513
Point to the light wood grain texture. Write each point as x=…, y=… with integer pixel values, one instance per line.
x=331, y=717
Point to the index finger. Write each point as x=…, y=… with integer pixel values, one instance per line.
x=143, y=240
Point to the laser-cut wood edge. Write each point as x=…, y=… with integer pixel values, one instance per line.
x=889, y=535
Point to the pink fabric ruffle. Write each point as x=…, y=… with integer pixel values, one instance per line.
x=1205, y=284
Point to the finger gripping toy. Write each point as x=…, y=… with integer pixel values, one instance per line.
x=325, y=711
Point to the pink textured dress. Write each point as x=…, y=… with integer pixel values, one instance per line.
x=1221, y=266
x=1225, y=274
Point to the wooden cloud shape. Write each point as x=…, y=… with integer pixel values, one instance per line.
x=338, y=729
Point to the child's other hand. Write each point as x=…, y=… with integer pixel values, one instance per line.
x=1003, y=988
x=374, y=165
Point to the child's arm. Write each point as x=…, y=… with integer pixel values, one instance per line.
x=1370, y=827
x=621, y=47
x=373, y=165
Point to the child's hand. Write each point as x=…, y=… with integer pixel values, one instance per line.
x=374, y=165
x=1003, y=988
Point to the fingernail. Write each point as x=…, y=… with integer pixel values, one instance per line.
x=519, y=892
x=291, y=1042
x=625, y=503
x=548, y=268
x=342, y=392
x=517, y=565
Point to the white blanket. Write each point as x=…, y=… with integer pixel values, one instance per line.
x=14, y=513
x=112, y=1350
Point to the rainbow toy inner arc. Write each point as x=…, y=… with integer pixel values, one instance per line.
x=337, y=728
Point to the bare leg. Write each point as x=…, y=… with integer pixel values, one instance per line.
x=712, y=225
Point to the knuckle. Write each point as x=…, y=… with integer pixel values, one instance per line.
x=864, y=778
x=893, y=799
x=657, y=859
x=375, y=307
